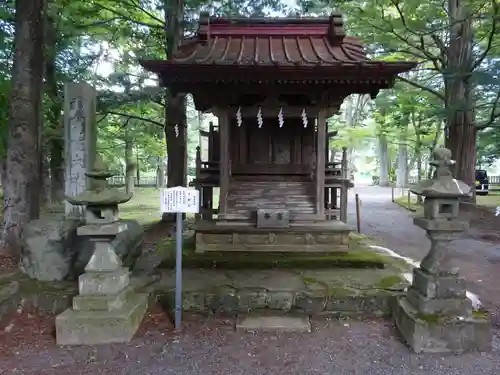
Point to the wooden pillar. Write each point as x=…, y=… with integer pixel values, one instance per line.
x=224, y=162
x=344, y=162
x=207, y=197
x=320, y=165
x=344, y=190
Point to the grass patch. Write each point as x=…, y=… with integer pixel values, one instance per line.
x=410, y=205
x=389, y=282
x=480, y=314
x=143, y=207
x=490, y=200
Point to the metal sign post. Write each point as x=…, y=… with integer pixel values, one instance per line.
x=179, y=200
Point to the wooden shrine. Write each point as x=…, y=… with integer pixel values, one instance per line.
x=272, y=83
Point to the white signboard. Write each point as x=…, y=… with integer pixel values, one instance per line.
x=180, y=199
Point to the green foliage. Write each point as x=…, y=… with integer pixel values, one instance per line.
x=101, y=41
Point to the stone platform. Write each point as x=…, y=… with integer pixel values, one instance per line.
x=442, y=334
x=317, y=237
x=353, y=292
x=90, y=327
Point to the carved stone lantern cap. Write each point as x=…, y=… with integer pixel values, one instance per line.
x=99, y=194
x=443, y=185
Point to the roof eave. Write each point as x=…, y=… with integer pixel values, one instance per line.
x=166, y=68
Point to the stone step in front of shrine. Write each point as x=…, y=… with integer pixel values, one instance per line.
x=344, y=292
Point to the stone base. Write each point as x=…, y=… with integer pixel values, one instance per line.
x=273, y=323
x=439, y=306
x=327, y=237
x=101, y=302
x=434, y=334
x=101, y=327
x=103, y=283
x=337, y=292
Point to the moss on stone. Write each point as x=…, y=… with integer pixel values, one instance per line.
x=356, y=258
x=429, y=318
x=390, y=281
x=311, y=281
x=342, y=291
x=480, y=314
x=29, y=287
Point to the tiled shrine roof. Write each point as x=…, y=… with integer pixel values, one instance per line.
x=293, y=44
x=282, y=42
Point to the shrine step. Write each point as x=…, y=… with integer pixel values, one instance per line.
x=244, y=198
x=273, y=323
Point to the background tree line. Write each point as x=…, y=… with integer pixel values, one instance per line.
x=450, y=99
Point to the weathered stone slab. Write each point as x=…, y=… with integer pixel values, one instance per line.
x=80, y=139
x=102, y=229
x=101, y=327
x=103, y=283
x=283, y=301
x=9, y=299
x=433, y=334
x=103, y=302
x=253, y=299
x=273, y=323
x=439, y=306
x=271, y=280
x=52, y=251
x=48, y=247
x=309, y=292
x=434, y=286
x=370, y=306
x=194, y=280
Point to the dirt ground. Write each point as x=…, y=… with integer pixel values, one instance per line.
x=211, y=346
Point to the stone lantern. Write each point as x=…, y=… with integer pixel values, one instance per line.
x=106, y=309
x=436, y=315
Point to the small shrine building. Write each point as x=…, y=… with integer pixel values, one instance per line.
x=272, y=83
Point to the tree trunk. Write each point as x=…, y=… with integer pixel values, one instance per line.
x=383, y=155
x=459, y=105
x=136, y=168
x=56, y=121
x=402, y=163
x=3, y=166
x=160, y=174
x=418, y=157
x=176, y=134
x=401, y=171
x=129, y=165
x=175, y=105
x=22, y=199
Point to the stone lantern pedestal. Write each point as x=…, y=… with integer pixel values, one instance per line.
x=107, y=309
x=436, y=315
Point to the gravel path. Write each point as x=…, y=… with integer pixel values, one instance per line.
x=392, y=226
x=213, y=348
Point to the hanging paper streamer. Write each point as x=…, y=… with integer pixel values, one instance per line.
x=281, y=121
x=176, y=130
x=239, y=121
x=259, y=118
x=304, y=117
